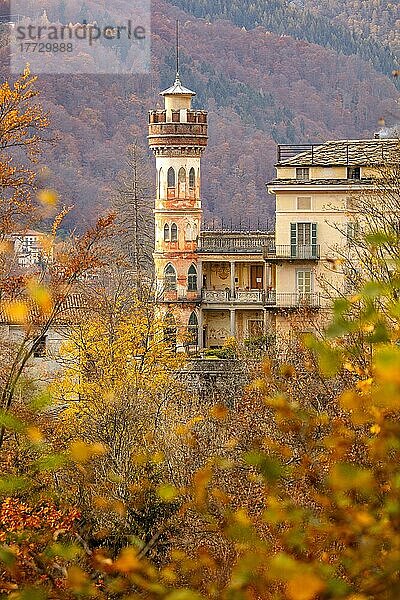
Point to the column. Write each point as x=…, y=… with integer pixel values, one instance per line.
x=232, y=278
x=266, y=283
x=233, y=322
x=199, y=277
x=200, y=330
x=266, y=276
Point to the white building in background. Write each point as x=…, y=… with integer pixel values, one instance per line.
x=28, y=248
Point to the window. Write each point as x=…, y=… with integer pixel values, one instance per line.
x=191, y=232
x=170, y=278
x=352, y=230
x=174, y=232
x=40, y=347
x=170, y=330
x=171, y=177
x=193, y=329
x=182, y=175
x=303, y=240
x=303, y=173
x=160, y=176
x=188, y=233
x=182, y=182
x=304, y=283
x=353, y=173
x=192, y=279
x=167, y=237
x=192, y=178
x=304, y=203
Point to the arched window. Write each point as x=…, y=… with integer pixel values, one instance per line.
x=170, y=330
x=182, y=182
x=194, y=232
x=160, y=178
x=193, y=329
x=171, y=177
x=188, y=232
x=170, y=278
x=174, y=232
x=192, y=178
x=182, y=175
x=192, y=279
x=167, y=237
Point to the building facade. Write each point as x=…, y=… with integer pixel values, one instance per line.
x=214, y=285
x=317, y=189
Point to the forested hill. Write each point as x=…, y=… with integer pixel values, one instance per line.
x=260, y=88
x=379, y=19
x=317, y=26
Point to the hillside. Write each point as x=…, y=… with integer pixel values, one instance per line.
x=260, y=88
x=379, y=19
x=344, y=27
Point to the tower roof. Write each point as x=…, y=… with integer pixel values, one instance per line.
x=177, y=89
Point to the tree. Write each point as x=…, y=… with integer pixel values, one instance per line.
x=35, y=300
x=117, y=391
x=133, y=204
x=22, y=125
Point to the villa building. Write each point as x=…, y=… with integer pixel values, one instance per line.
x=221, y=284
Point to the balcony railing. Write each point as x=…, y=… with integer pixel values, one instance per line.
x=247, y=244
x=216, y=296
x=292, y=252
x=240, y=296
x=296, y=300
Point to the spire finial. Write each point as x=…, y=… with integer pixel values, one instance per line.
x=177, y=51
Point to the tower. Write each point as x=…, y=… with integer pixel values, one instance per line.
x=178, y=138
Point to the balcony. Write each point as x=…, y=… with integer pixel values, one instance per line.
x=274, y=253
x=296, y=300
x=233, y=244
x=240, y=297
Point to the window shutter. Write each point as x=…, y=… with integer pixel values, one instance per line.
x=314, y=249
x=293, y=239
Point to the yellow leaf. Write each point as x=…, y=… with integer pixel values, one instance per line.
x=349, y=400
x=127, y=562
x=304, y=587
x=158, y=458
x=375, y=429
x=41, y=295
x=48, y=197
x=242, y=517
x=81, y=452
x=219, y=412
x=34, y=434
x=365, y=385
x=77, y=580
x=167, y=492
x=364, y=519
x=17, y=311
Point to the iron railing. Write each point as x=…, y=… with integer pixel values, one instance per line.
x=292, y=252
x=239, y=297
x=248, y=244
x=296, y=300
